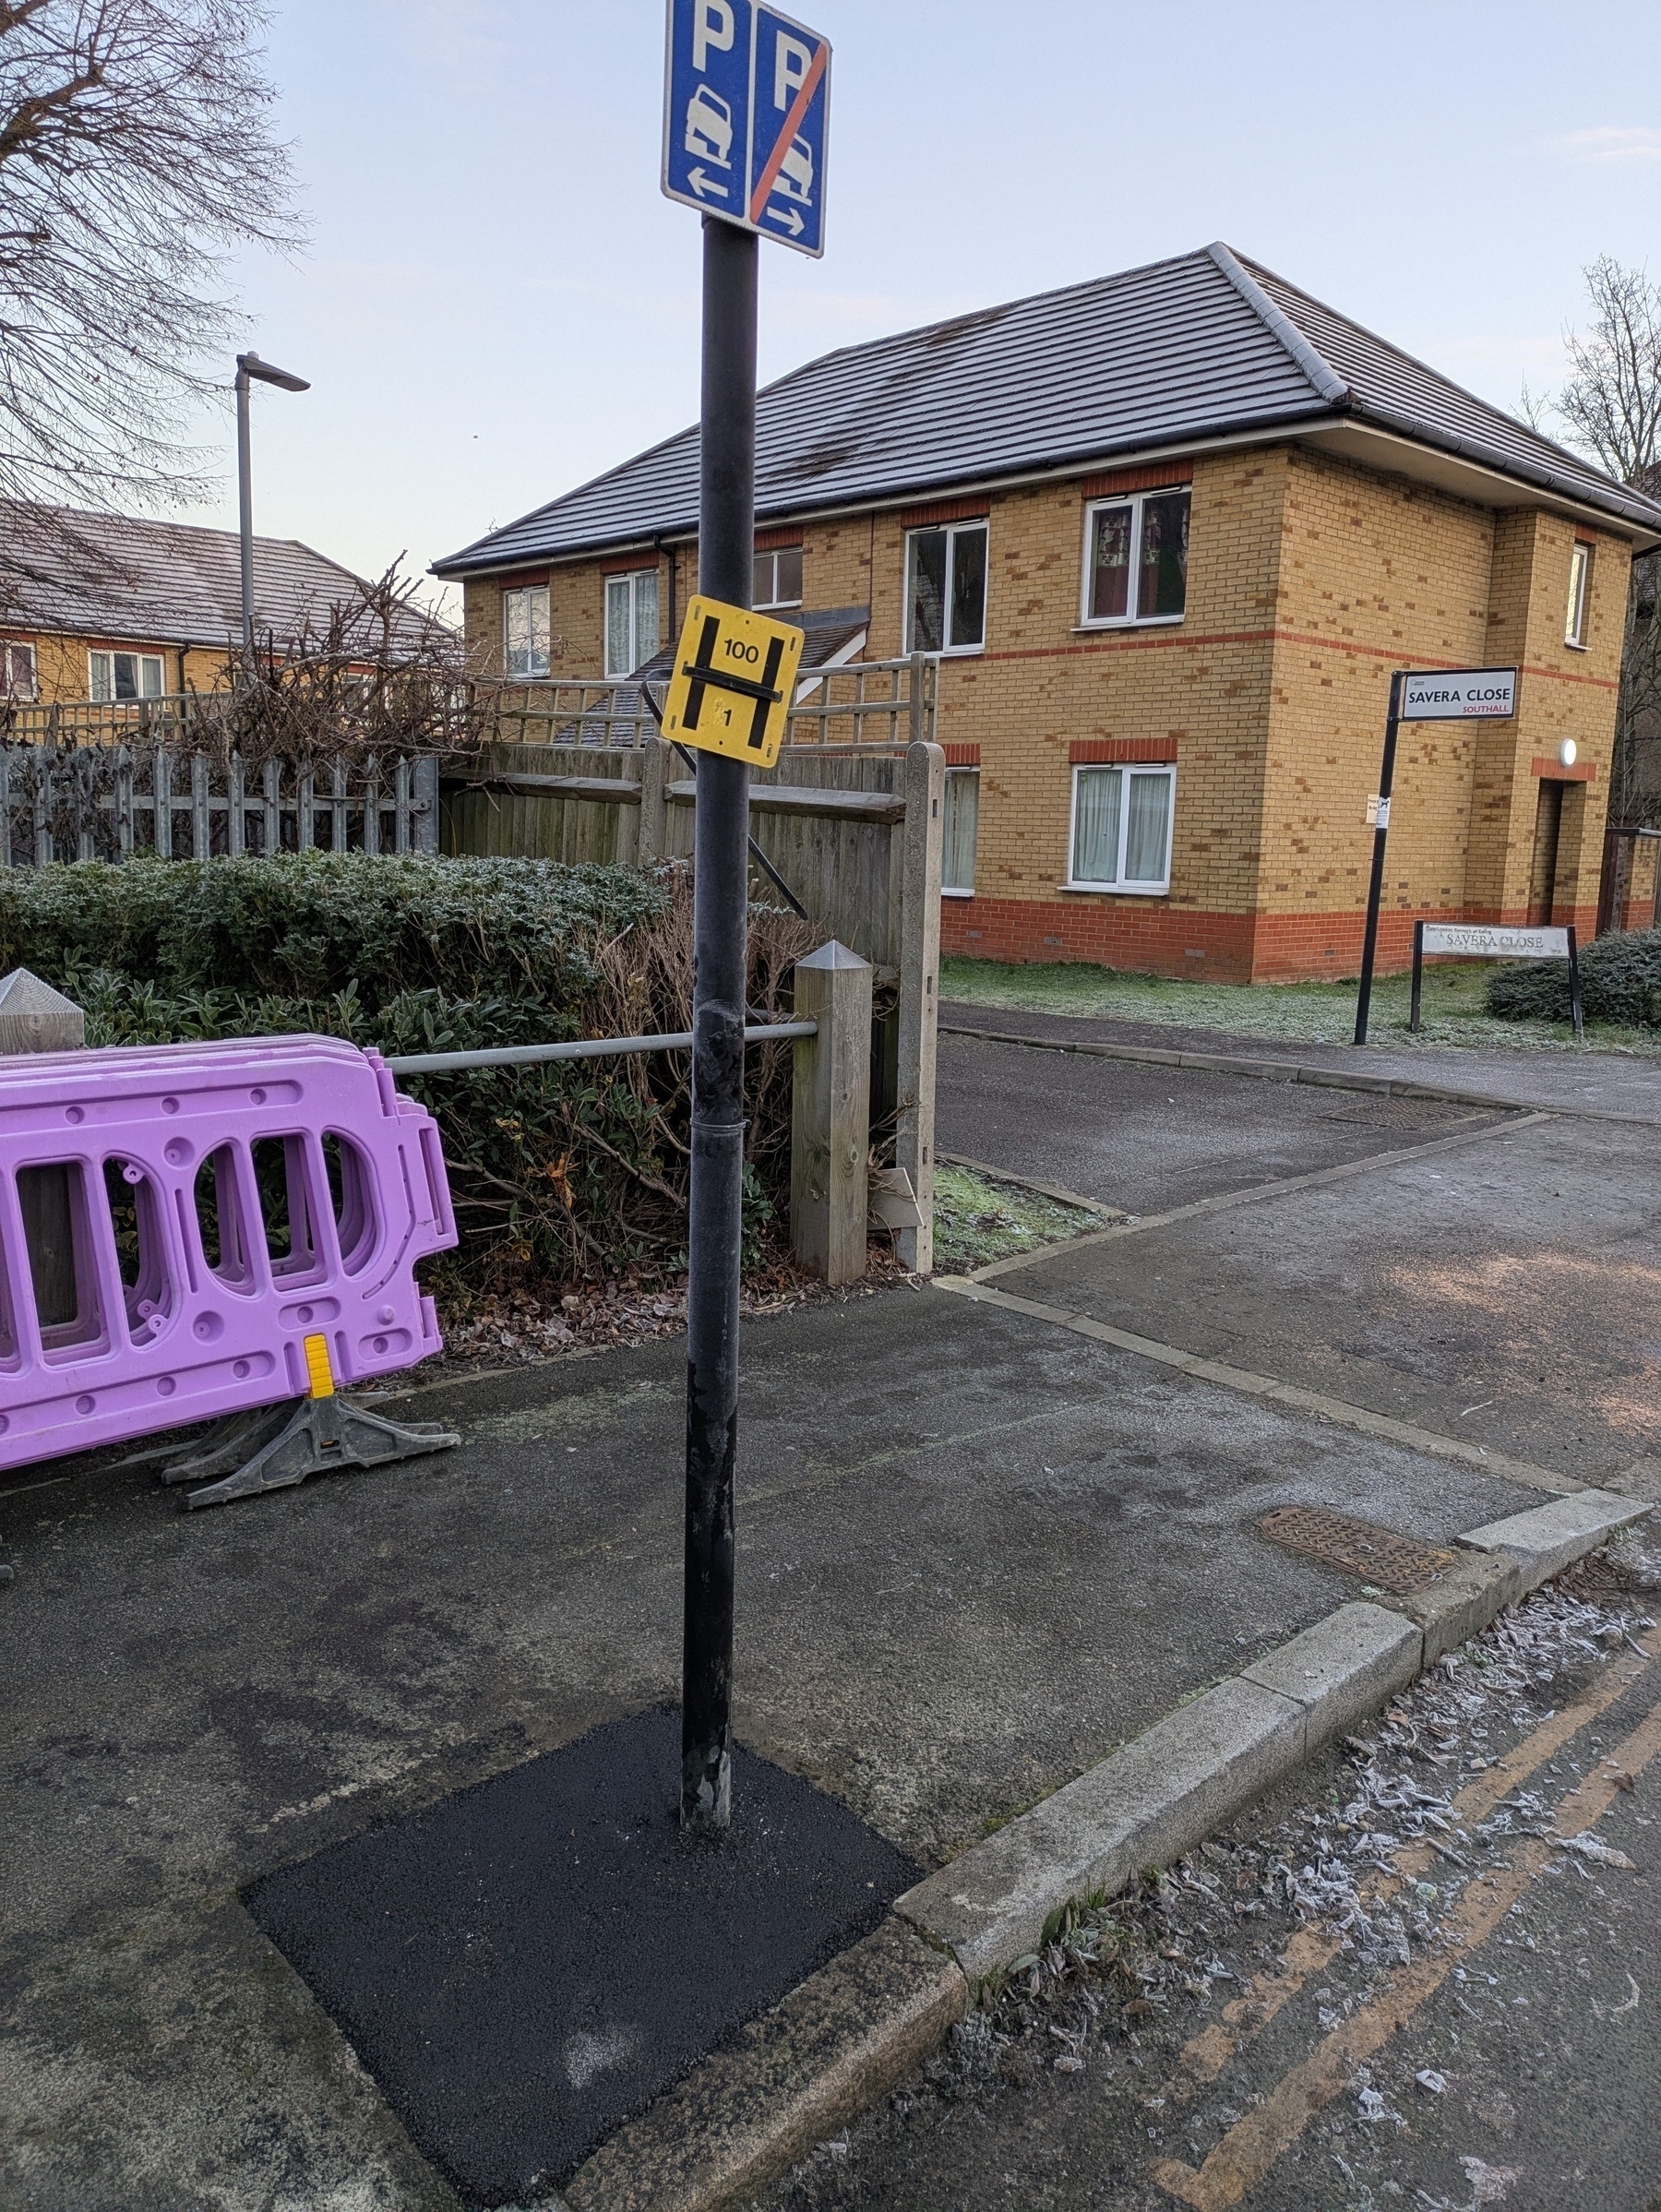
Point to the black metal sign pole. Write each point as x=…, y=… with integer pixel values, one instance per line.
x=720, y=912
x=1375, y=889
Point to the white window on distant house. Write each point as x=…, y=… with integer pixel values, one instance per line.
x=777, y=581
x=1121, y=829
x=1579, y=595
x=17, y=671
x=631, y=620
x=946, y=589
x=525, y=632
x=1136, y=558
x=122, y=676
x=959, y=831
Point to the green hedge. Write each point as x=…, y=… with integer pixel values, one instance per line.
x=1620, y=983
x=559, y=1173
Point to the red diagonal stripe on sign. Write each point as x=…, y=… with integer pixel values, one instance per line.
x=792, y=123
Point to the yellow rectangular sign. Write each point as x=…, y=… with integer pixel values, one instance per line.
x=734, y=673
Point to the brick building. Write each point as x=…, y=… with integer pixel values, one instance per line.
x=1169, y=532
x=114, y=608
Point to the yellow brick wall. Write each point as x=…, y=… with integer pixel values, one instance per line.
x=62, y=672
x=1311, y=578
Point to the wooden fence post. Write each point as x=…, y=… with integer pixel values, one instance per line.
x=830, y=1115
x=919, y=993
x=654, y=802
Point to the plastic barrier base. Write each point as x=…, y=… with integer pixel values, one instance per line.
x=280, y=1445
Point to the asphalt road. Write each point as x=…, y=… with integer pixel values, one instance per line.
x=1499, y=2045
x=976, y=1551
x=1503, y=1288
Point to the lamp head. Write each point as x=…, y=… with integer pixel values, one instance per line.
x=265, y=372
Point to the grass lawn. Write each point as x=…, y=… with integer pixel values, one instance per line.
x=1452, y=1011
x=978, y=1220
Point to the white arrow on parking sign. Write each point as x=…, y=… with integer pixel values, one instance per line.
x=789, y=218
x=703, y=184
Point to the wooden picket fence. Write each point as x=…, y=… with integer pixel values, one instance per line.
x=112, y=802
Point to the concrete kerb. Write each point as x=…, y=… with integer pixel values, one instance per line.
x=849, y=2032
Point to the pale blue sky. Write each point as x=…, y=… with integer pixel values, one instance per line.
x=498, y=303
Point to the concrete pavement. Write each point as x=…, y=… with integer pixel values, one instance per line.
x=976, y=1553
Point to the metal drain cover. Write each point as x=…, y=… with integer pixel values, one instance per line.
x=1379, y=1555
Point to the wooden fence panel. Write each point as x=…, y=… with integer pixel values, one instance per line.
x=111, y=802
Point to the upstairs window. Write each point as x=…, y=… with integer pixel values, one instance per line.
x=122, y=676
x=1579, y=595
x=1136, y=558
x=777, y=581
x=631, y=620
x=17, y=671
x=946, y=589
x=525, y=632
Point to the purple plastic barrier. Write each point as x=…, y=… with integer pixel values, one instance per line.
x=176, y=1221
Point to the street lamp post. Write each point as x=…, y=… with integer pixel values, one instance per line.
x=250, y=368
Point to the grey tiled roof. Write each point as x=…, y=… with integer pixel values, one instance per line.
x=1202, y=346
x=163, y=583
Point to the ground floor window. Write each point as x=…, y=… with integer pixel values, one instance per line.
x=526, y=642
x=961, y=826
x=115, y=675
x=1121, y=829
x=631, y=620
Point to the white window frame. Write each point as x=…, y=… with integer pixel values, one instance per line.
x=952, y=531
x=632, y=578
x=771, y=553
x=1125, y=769
x=1579, y=595
x=17, y=652
x=105, y=696
x=1136, y=501
x=532, y=675
x=961, y=890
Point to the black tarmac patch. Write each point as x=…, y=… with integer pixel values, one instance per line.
x=526, y=1964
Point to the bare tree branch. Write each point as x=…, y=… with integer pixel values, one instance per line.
x=136, y=156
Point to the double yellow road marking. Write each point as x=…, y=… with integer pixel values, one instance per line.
x=1250, y=2148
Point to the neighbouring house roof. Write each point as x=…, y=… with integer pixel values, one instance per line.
x=168, y=583
x=828, y=636
x=1207, y=346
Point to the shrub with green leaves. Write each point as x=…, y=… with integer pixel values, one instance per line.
x=559, y=1172
x=1620, y=983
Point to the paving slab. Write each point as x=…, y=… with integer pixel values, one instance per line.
x=975, y=1555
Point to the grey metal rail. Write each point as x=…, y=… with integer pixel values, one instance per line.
x=581, y=1048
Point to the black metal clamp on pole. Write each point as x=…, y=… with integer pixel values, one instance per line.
x=1375, y=889
x=719, y=913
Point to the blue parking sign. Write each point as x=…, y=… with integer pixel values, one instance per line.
x=745, y=102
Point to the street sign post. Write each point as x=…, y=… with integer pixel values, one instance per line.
x=748, y=94
x=734, y=676
x=1494, y=940
x=1435, y=695
x=746, y=98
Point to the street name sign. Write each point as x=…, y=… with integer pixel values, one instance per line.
x=746, y=97
x=1452, y=694
x=734, y=676
x=1487, y=940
